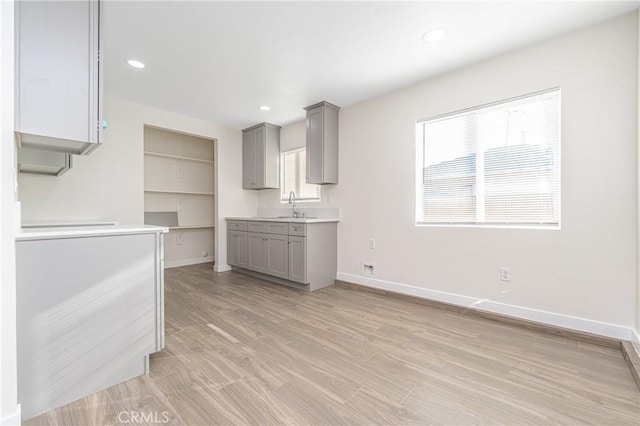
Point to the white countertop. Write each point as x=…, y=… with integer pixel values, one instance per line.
x=286, y=219
x=86, y=231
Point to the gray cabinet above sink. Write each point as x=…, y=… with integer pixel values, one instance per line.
x=322, y=143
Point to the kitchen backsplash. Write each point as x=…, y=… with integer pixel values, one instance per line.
x=319, y=212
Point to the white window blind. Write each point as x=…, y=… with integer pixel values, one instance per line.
x=293, y=166
x=497, y=164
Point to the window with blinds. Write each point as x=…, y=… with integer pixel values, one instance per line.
x=293, y=166
x=497, y=164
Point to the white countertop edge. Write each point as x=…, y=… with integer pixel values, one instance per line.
x=53, y=224
x=285, y=219
x=90, y=231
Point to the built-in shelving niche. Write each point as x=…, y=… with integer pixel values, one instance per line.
x=179, y=193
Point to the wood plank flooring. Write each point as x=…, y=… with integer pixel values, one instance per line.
x=243, y=351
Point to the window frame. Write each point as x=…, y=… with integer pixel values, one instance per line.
x=284, y=198
x=419, y=168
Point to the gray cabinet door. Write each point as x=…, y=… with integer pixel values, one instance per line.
x=232, y=248
x=314, y=145
x=58, y=77
x=250, y=160
x=243, y=255
x=237, y=254
x=298, y=259
x=257, y=250
x=278, y=255
x=322, y=143
x=261, y=157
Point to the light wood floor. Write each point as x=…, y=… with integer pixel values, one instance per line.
x=243, y=351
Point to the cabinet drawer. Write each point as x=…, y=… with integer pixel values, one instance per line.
x=280, y=228
x=299, y=229
x=236, y=225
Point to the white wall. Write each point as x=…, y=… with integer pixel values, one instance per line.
x=9, y=408
x=587, y=270
x=636, y=338
x=108, y=184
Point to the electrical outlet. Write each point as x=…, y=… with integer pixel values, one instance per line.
x=372, y=243
x=505, y=274
x=367, y=270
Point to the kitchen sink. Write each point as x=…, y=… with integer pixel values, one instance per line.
x=291, y=217
x=284, y=217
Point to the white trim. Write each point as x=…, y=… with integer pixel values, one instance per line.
x=635, y=341
x=221, y=268
x=559, y=320
x=13, y=419
x=187, y=262
x=488, y=105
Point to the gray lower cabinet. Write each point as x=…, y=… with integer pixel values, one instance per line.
x=298, y=259
x=278, y=256
x=237, y=253
x=257, y=250
x=261, y=157
x=58, y=75
x=268, y=253
x=299, y=255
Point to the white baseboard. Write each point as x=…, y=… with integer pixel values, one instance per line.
x=549, y=318
x=13, y=419
x=187, y=262
x=221, y=268
x=635, y=341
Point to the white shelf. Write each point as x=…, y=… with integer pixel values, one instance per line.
x=174, y=228
x=179, y=179
x=178, y=157
x=159, y=191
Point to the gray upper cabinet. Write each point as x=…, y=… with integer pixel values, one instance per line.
x=261, y=157
x=322, y=143
x=58, y=75
x=41, y=162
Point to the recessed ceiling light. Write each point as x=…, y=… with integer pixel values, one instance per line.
x=265, y=108
x=434, y=34
x=135, y=64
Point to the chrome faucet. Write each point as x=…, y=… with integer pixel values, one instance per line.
x=292, y=201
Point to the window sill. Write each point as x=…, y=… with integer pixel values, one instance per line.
x=488, y=226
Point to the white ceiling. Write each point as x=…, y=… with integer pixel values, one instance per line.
x=219, y=61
